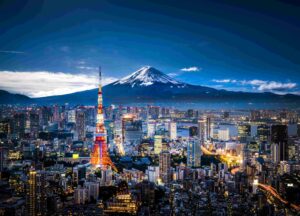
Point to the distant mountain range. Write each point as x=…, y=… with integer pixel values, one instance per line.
x=9, y=98
x=149, y=85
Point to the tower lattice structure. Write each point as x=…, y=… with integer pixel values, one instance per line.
x=100, y=156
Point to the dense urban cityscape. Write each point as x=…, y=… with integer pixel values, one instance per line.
x=126, y=160
x=149, y=108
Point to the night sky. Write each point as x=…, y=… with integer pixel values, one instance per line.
x=55, y=46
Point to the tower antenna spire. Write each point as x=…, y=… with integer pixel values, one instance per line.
x=100, y=75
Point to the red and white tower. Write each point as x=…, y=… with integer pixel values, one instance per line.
x=99, y=156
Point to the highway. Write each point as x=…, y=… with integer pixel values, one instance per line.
x=229, y=158
x=275, y=194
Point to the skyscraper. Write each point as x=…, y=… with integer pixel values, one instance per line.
x=3, y=158
x=80, y=124
x=151, y=128
x=263, y=132
x=279, y=135
x=208, y=128
x=194, y=153
x=132, y=132
x=19, y=124
x=244, y=132
x=223, y=134
x=30, y=194
x=41, y=196
x=34, y=124
x=275, y=153
x=157, y=144
x=173, y=130
x=100, y=157
x=193, y=131
x=202, y=131
x=165, y=166
x=36, y=198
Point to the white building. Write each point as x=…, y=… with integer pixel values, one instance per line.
x=80, y=195
x=72, y=116
x=275, y=153
x=151, y=128
x=153, y=173
x=223, y=134
x=173, y=130
x=93, y=190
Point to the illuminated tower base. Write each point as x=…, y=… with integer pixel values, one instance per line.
x=100, y=157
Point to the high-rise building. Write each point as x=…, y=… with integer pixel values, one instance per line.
x=157, y=144
x=56, y=113
x=3, y=158
x=263, y=133
x=19, y=124
x=81, y=195
x=194, y=153
x=34, y=124
x=30, y=194
x=93, y=190
x=79, y=172
x=279, y=135
x=223, y=134
x=80, y=125
x=208, y=128
x=255, y=115
x=202, y=130
x=100, y=156
x=193, y=131
x=127, y=120
x=41, y=196
x=244, y=132
x=151, y=128
x=153, y=112
x=45, y=116
x=72, y=116
x=275, y=153
x=106, y=177
x=152, y=173
x=173, y=130
x=165, y=166
x=5, y=128
x=36, y=197
x=132, y=132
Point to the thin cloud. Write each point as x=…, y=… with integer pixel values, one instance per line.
x=224, y=81
x=11, y=52
x=87, y=68
x=172, y=74
x=45, y=83
x=262, y=85
x=191, y=69
x=276, y=86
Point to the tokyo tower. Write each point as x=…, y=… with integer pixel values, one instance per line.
x=99, y=156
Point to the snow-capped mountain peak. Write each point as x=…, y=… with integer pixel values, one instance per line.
x=147, y=76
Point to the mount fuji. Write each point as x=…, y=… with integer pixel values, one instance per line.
x=149, y=85
x=147, y=76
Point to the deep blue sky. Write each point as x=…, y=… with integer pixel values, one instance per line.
x=235, y=41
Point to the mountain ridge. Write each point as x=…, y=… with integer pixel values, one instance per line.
x=149, y=85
